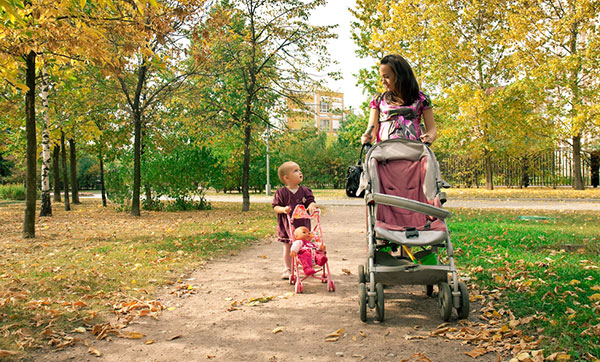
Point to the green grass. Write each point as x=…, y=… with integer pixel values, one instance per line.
x=548, y=269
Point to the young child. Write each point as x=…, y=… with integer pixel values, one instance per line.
x=302, y=246
x=284, y=202
x=397, y=112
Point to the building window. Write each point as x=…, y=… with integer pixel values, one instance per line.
x=325, y=125
x=324, y=107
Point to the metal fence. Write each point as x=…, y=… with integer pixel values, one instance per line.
x=548, y=168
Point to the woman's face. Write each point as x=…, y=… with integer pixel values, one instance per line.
x=388, y=77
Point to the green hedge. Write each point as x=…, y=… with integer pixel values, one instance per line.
x=14, y=192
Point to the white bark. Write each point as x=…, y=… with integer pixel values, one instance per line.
x=46, y=209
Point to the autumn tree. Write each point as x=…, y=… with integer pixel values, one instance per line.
x=462, y=54
x=261, y=53
x=558, y=46
x=62, y=29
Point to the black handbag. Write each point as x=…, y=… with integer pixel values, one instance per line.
x=353, y=177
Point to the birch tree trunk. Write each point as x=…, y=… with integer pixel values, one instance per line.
x=46, y=209
x=64, y=170
x=101, y=159
x=56, y=172
x=73, y=164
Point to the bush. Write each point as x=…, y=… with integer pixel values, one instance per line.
x=12, y=192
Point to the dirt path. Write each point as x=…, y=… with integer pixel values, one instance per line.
x=207, y=331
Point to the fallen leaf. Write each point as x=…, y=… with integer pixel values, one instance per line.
x=277, y=330
x=132, y=335
x=150, y=341
x=171, y=308
x=209, y=356
x=174, y=337
x=332, y=339
x=5, y=353
x=79, y=330
x=362, y=333
x=346, y=271
x=335, y=334
x=95, y=352
x=595, y=297
x=477, y=352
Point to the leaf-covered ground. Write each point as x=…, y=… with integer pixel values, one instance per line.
x=91, y=262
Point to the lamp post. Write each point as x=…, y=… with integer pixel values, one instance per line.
x=268, y=185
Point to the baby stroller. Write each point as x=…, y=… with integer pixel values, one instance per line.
x=402, y=183
x=321, y=273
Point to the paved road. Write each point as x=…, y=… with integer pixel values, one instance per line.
x=467, y=203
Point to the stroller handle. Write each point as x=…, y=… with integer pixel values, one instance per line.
x=408, y=204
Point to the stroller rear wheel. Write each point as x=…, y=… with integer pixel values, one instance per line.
x=463, y=309
x=379, y=303
x=362, y=301
x=361, y=274
x=445, y=301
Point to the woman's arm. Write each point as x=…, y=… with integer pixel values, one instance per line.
x=372, y=127
x=430, y=131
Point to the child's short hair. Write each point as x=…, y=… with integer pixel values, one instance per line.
x=284, y=169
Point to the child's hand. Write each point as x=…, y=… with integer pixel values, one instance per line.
x=311, y=208
x=426, y=138
x=287, y=209
x=322, y=247
x=292, y=254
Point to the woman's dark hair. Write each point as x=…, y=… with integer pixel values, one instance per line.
x=406, y=82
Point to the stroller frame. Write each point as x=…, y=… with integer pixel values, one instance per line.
x=325, y=275
x=384, y=268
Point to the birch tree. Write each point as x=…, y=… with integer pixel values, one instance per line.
x=46, y=208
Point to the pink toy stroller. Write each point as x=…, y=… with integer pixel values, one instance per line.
x=321, y=272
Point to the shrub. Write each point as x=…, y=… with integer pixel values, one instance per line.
x=12, y=192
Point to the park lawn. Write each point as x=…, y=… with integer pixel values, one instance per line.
x=543, y=267
x=92, y=262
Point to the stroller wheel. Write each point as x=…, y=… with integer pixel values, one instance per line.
x=429, y=290
x=379, y=303
x=293, y=278
x=299, y=287
x=362, y=301
x=330, y=286
x=361, y=274
x=445, y=301
x=463, y=309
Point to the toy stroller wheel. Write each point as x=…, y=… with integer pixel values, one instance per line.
x=299, y=287
x=429, y=290
x=293, y=278
x=444, y=301
x=362, y=301
x=463, y=309
x=361, y=274
x=330, y=286
x=379, y=303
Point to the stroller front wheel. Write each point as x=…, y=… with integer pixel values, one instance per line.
x=362, y=301
x=361, y=274
x=445, y=301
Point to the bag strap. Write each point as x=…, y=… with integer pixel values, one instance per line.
x=362, y=149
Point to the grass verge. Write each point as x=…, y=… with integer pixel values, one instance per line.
x=85, y=263
x=543, y=268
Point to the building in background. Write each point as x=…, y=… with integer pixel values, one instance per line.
x=322, y=109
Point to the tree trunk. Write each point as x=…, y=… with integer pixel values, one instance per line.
x=595, y=168
x=524, y=172
x=577, y=178
x=31, y=160
x=102, y=188
x=65, y=178
x=489, y=176
x=73, y=164
x=137, y=175
x=46, y=209
x=246, y=169
x=148, y=197
x=56, y=172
